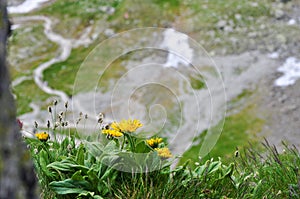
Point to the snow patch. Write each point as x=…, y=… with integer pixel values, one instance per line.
x=292, y=22
x=273, y=55
x=291, y=72
x=25, y=7
x=178, y=47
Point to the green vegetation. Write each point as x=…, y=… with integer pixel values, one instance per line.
x=78, y=15
x=86, y=10
x=28, y=48
x=95, y=167
x=197, y=82
x=62, y=75
x=237, y=131
x=26, y=93
x=118, y=164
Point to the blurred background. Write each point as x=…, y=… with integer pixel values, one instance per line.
x=228, y=68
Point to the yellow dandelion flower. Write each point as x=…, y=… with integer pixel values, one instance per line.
x=153, y=142
x=43, y=136
x=115, y=126
x=112, y=132
x=127, y=125
x=164, y=152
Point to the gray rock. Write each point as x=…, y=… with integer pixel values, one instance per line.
x=238, y=16
x=278, y=13
x=221, y=24
x=228, y=29
x=281, y=39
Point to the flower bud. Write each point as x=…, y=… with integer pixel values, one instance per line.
x=36, y=125
x=55, y=102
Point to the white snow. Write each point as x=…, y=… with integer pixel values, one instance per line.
x=292, y=22
x=273, y=55
x=177, y=45
x=291, y=72
x=25, y=7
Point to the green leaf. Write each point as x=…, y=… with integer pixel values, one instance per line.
x=80, y=155
x=142, y=147
x=43, y=162
x=65, y=143
x=77, y=176
x=67, y=166
x=111, y=148
x=89, y=194
x=227, y=171
x=97, y=197
x=93, y=178
x=94, y=148
x=70, y=186
x=213, y=167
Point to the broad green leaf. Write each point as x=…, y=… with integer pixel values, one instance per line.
x=142, y=147
x=69, y=186
x=80, y=155
x=67, y=165
x=94, y=148
x=43, y=161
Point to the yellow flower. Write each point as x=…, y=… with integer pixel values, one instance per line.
x=164, y=152
x=43, y=136
x=115, y=126
x=112, y=132
x=153, y=142
x=127, y=125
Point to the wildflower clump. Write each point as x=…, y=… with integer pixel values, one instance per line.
x=131, y=143
x=42, y=136
x=158, y=145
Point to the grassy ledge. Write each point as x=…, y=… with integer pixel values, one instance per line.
x=109, y=166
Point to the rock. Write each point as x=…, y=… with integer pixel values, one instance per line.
x=278, y=13
x=228, y=29
x=270, y=48
x=238, y=17
x=281, y=39
x=252, y=34
x=109, y=32
x=221, y=24
x=282, y=99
